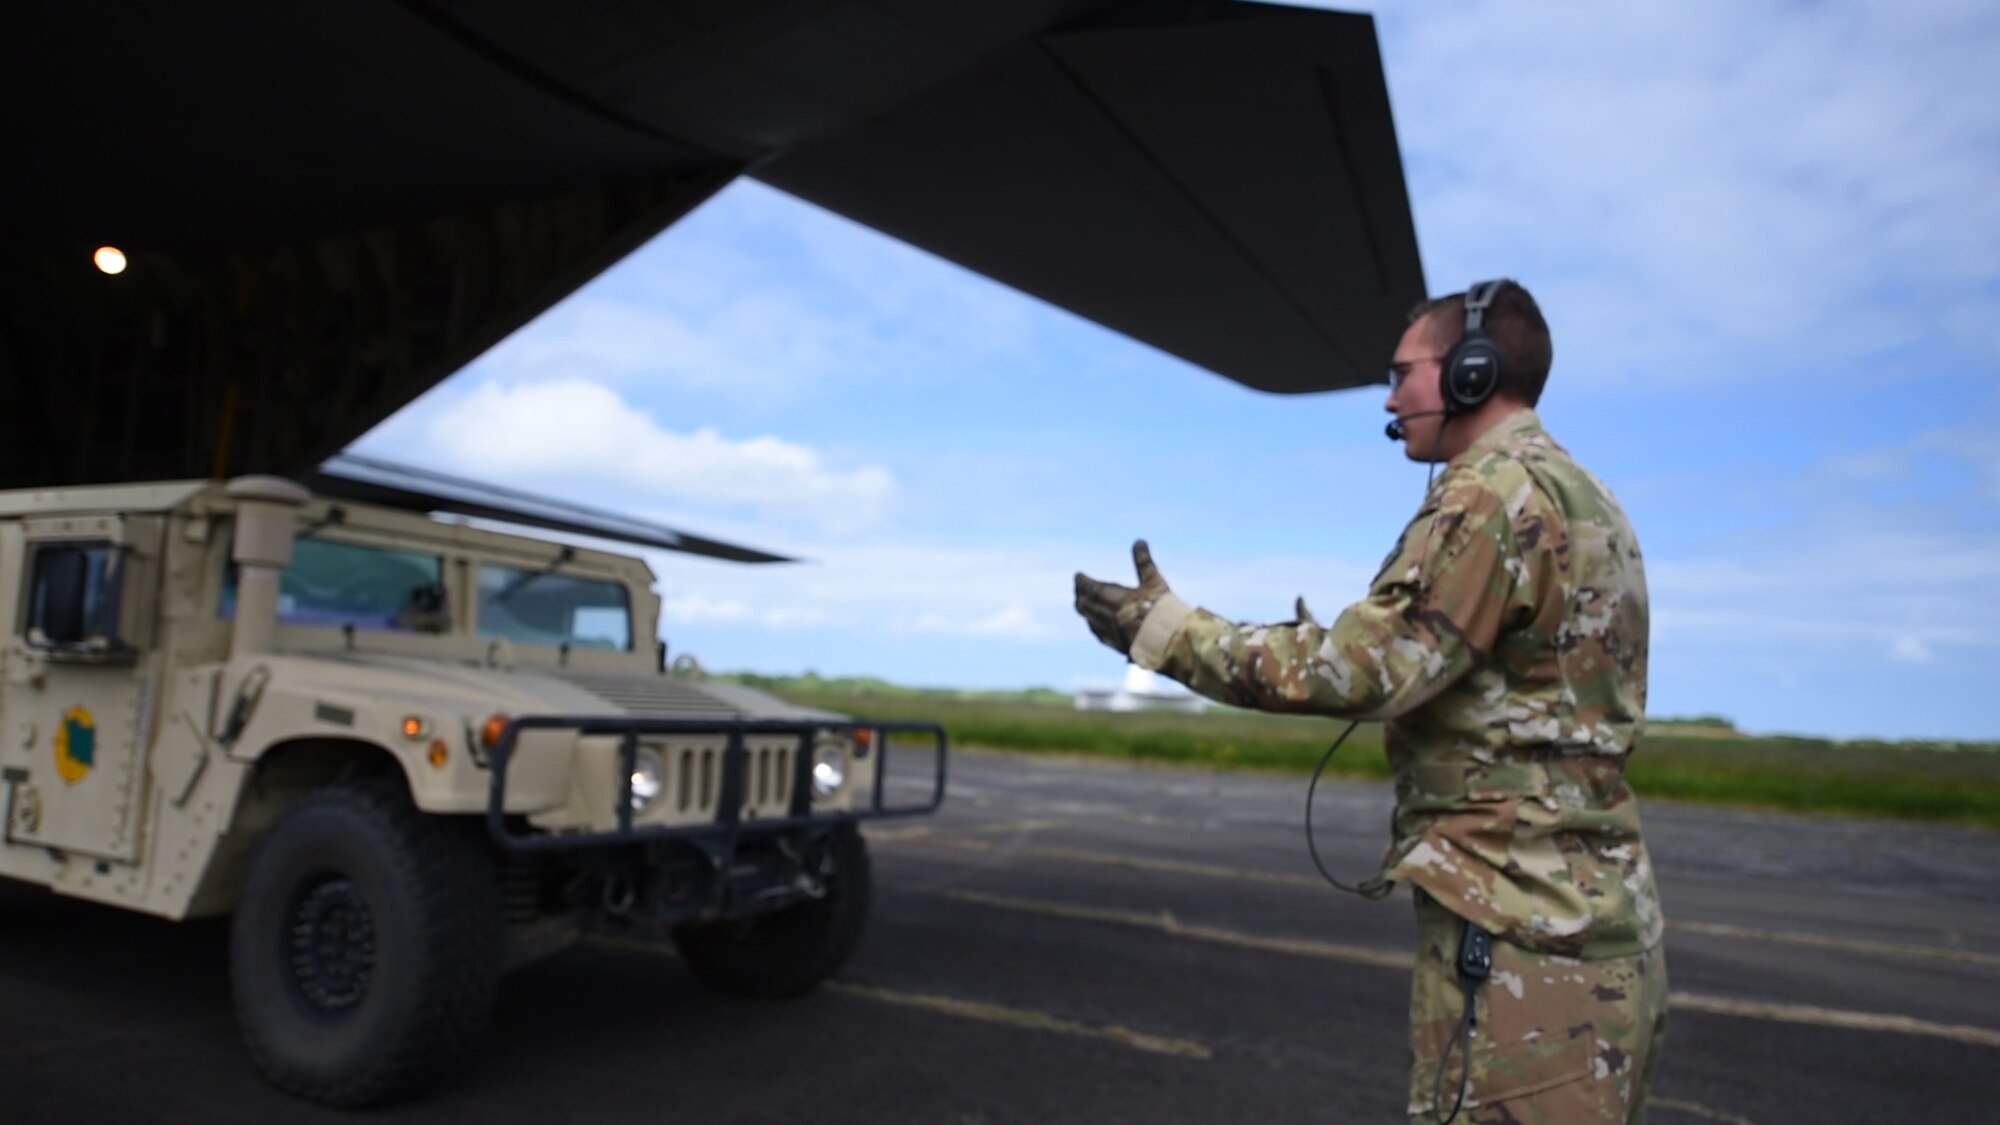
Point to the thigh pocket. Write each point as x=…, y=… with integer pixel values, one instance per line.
x=1529, y=1067
x=1536, y=1082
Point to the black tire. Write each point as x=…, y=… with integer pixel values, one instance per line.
x=403, y=964
x=790, y=951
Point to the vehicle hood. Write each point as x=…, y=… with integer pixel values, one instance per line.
x=472, y=688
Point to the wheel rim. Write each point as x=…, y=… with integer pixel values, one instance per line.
x=329, y=946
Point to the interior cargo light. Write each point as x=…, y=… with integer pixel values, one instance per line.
x=109, y=259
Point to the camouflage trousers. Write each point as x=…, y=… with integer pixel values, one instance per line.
x=1558, y=1040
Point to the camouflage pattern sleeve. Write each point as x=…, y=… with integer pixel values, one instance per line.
x=1440, y=603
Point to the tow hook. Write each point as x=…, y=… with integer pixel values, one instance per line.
x=805, y=882
x=618, y=896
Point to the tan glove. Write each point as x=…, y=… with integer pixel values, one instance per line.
x=1115, y=612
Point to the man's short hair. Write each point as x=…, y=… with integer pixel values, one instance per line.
x=1515, y=323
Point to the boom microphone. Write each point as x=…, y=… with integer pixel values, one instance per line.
x=1394, y=430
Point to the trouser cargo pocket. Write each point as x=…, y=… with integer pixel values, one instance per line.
x=1551, y=1045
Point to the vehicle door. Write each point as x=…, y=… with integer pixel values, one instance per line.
x=77, y=696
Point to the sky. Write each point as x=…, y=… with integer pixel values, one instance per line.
x=1766, y=237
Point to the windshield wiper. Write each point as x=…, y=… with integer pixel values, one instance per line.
x=515, y=586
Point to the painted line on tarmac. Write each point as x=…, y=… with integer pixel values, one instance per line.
x=1698, y=1110
x=1164, y=922
x=1832, y=1017
x=929, y=834
x=1851, y=945
x=1026, y=1018
x=1110, y=859
x=1707, y=929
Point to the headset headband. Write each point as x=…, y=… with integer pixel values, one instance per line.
x=1478, y=299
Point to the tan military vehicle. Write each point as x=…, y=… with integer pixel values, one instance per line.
x=406, y=754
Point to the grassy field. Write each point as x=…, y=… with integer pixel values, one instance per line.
x=1701, y=760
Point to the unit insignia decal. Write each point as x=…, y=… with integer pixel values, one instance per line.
x=76, y=744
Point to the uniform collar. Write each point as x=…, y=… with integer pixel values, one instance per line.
x=1521, y=423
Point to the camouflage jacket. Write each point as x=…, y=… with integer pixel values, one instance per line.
x=1504, y=643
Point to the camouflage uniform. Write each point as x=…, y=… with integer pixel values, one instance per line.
x=1504, y=644
x=1556, y=1039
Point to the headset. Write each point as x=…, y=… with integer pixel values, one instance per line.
x=1470, y=371
x=1472, y=368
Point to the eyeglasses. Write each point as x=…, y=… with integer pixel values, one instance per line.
x=1400, y=370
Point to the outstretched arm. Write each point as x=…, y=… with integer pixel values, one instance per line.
x=1436, y=609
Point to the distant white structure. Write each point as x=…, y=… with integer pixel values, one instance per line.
x=1142, y=691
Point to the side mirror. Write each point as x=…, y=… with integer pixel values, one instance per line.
x=427, y=611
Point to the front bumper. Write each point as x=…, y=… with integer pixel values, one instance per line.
x=719, y=835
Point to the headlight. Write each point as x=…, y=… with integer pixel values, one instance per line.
x=647, y=778
x=829, y=770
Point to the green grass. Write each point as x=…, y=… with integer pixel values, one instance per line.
x=1698, y=760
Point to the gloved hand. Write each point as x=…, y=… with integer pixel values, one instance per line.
x=1115, y=612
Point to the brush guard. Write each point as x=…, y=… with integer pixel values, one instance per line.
x=720, y=837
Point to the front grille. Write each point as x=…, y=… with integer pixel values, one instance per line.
x=694, y=777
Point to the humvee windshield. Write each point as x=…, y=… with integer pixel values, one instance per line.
x=331, y=583
x=547, y=608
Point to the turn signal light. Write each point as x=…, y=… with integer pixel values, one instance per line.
x=440, y=754
x=489, y=735
x=415, y=727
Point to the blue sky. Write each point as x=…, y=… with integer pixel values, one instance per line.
x=1767, y=239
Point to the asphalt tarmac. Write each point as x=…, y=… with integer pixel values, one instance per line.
x=1089, y=942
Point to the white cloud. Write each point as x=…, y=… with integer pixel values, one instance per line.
x=879, y=586
x=582, y=434
x=1960, y=462
x=1711, y=190
x=1911, y=650
x=1016, y=622
x=757, y=295
x=1977, y=446
x=756, y=344
x=1873, y=586
x=1012, y=595
x=695, y=608
x=795, y=617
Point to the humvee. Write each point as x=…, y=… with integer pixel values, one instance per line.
x=404, y=754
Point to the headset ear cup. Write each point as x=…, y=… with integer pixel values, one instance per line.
x=1471, y=372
